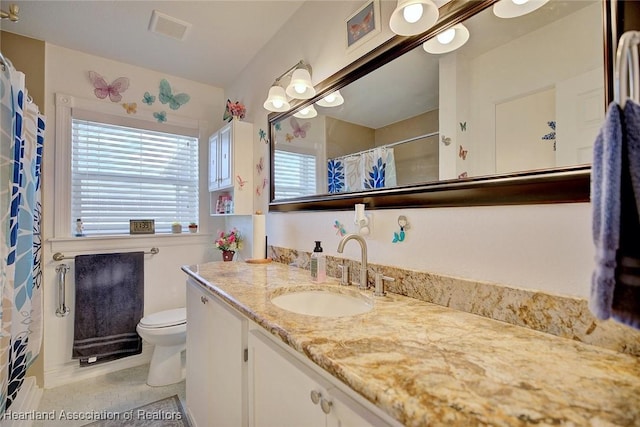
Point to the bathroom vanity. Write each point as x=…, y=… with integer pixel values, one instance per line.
x=404, y=362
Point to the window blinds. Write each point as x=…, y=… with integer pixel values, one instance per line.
x=121, y=173
x=296, y=174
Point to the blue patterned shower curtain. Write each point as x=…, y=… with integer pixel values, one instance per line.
x=375, y=168
x=21, y=146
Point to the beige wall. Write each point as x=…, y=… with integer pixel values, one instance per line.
x=27, y=55
x=346, y=138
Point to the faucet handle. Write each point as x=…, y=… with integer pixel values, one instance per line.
x=344, y=277
x=380, y=278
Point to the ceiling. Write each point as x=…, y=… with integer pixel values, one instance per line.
x=223, y=38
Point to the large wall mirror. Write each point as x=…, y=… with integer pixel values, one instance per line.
x=508, y=118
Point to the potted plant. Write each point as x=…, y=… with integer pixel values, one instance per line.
x=176, y=228
x=229, y=243
x=193, y=227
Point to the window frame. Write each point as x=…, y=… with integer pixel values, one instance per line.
x=64, y=107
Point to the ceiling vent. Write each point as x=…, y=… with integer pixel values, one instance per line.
x=168, y=25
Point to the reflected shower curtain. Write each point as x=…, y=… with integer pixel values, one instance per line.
x=21, y=146
x=375, y=168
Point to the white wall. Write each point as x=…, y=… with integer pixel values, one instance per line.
x=545, y=247
x=66, y=72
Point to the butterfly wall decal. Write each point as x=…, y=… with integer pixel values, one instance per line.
x=299, y=130
x=463, y=175
x=102, y=89
x=260, y=165
x=148, y=99
x=462, y=153
x=278, y=126
x=551, y=135
x=446, y=140
x=258, y=190
x=288, y=137
x=463, y=126
x=130, y=108
x=241, y=181
x=167, y=97
x=340, y=231
x=263, y=136
x=160, y=116
x=265, y=181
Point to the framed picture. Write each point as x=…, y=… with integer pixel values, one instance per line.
x=363, y=24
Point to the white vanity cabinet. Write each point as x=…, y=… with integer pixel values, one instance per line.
x=286, y=392
x=216, y=368
x=231, y=166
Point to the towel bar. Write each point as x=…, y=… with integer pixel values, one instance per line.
x=59, y=256
x=62, y=309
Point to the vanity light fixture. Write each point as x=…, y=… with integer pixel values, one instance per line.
x=412, y=17
x=448, y=40
x=299, y=87
x=515, y=8
x=308, y=112
x=277, y=99
x=332, y=100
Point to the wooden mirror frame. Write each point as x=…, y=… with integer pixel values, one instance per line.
x=558, y=185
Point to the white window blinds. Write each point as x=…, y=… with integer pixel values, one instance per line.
x=296, y=174
x=121, y=173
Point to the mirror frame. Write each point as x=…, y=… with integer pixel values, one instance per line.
x=557, y=185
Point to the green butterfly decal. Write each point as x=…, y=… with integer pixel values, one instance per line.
x=148, y=98
x=160, y=116
x=463, y=126
x=174, y=101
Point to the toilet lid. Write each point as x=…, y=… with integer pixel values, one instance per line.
x=165, y=318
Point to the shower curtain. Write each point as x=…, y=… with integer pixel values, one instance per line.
x=375, y=168
x=21, y=144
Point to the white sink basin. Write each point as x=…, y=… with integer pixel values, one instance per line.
x=323, y=303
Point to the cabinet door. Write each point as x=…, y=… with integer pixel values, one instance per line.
x=216, y=370
x=279, y=394
x=199, y=347
x=214, y=156
x=226, y=160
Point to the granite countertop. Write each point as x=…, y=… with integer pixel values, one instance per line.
x=425, y=364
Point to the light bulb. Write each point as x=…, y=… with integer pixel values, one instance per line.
x=412, y=13
x=330, y=98
x=446, y=36
x=520, y=2
x=277, y=103
x=299, y=88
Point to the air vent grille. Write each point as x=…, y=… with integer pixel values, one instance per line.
x=169, y=26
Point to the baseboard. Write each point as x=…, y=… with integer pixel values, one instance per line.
x=71, y=372
x=24, y=406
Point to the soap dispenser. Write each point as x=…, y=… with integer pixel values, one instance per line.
x=318, y=264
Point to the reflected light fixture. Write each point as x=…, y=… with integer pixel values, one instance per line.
x=515, y=8
x=332, y=100
x=448, y=40
x=299, y=87
x=308, y=112
x=412, y=17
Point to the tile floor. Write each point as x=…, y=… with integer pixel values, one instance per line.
x=114, y=392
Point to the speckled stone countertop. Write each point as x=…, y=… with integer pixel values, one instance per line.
x=428, y=365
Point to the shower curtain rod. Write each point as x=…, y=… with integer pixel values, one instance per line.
x=393, y=144
x=59, y=256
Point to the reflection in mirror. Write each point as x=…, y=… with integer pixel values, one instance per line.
x=522, y=94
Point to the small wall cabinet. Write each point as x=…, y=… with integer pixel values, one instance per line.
x=231, y=168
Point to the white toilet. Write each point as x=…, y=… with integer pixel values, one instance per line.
x=167, y=331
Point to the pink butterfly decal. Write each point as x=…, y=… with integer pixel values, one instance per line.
x=264, y=183
x=363, y=26
x=103, y=89
x=258, y=191
x=299, y=131
x=463, y=153
x=241, y=181
x=260, y=165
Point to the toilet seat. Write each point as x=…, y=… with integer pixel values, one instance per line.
x=163, y=319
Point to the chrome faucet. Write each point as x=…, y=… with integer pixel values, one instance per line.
x=363, y=250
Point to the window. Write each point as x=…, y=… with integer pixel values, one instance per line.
x=120, y=173
x=296, y=175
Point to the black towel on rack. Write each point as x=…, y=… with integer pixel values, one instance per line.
x=109, y=304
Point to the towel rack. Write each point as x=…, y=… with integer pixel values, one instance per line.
x=59, y=256
x=627, y=75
